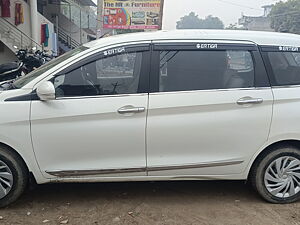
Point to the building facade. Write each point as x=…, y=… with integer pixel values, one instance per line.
x=74, y=21
x=53, y=25
x=258, y=23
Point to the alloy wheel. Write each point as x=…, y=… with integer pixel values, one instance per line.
x=6, y=179
x=282, y=177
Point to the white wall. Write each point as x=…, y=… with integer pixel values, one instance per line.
x=26, y=27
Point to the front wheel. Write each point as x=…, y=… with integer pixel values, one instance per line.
x=13, y=176
x=276, y=175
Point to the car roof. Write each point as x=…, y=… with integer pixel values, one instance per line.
x=257, y=37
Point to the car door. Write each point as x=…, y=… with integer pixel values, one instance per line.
x=283, y=65
x=96, y=125
x=210, y=108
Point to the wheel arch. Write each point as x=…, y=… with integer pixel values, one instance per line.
x=282, y=143
x=5, y=146
x=29, y=162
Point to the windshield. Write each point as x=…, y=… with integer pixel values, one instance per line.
x=22, y=81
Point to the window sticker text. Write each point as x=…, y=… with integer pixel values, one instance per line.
x=207, y=46
x=114, y=51
x=288, y=49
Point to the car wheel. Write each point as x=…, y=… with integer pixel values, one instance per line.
x=276, y=175
x=13, y=177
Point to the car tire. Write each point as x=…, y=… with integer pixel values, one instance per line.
x=14, y=176
x=273, y=179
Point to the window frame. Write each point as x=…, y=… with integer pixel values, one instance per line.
x=265, y=50
x=261, y=79
x=143, y=87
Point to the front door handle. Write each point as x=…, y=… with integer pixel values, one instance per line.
x=249, y=100
x=131, y=109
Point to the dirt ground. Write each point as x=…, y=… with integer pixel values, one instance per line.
x=155, y=203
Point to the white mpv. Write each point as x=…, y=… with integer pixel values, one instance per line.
x=178, y=105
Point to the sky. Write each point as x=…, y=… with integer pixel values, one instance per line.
x=229, y=11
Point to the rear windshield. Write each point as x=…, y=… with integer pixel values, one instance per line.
x=285, y=67
x=22, y=81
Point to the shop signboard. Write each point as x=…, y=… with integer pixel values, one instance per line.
x=131, y=14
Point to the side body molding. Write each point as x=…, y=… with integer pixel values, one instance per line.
x=72, y=173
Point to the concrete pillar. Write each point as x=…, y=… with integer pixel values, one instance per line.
x=34, y=20
x=161, y=15
x=99, y=18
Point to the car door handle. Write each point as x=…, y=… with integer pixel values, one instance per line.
x=131, y=109
x=249, y=100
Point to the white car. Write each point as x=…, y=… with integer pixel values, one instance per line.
x=178, y=105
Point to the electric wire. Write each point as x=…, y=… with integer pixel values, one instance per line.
x=239, y=5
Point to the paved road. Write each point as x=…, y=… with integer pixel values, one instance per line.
x=147, y=203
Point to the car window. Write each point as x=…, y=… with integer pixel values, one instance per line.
x=118, y=74
x=204, y=70
x=285, y=67
x=22, y=81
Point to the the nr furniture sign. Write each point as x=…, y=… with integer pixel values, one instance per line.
x=131, y=14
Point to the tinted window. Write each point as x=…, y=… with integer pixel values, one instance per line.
x=203, y=70
x=22, y=81
x=285, y=67
x=119, y=74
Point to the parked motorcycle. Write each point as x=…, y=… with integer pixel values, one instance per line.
x=27, y=62
x=43, y=57
x=9, y=71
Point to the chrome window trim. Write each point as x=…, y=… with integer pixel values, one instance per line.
x=162, y=93
x=212, y=90
x=71, y=173
x=286, y=86
x=102, y=96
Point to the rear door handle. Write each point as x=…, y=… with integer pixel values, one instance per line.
x=249, y=100
x=131, y=109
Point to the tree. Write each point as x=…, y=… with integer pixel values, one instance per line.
x=285, y=17
x=192, y=21
x=211, y=22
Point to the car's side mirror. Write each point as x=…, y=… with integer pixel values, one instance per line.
x=46, y=91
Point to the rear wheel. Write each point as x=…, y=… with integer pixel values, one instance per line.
x=276, y=176
x=13, y=177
